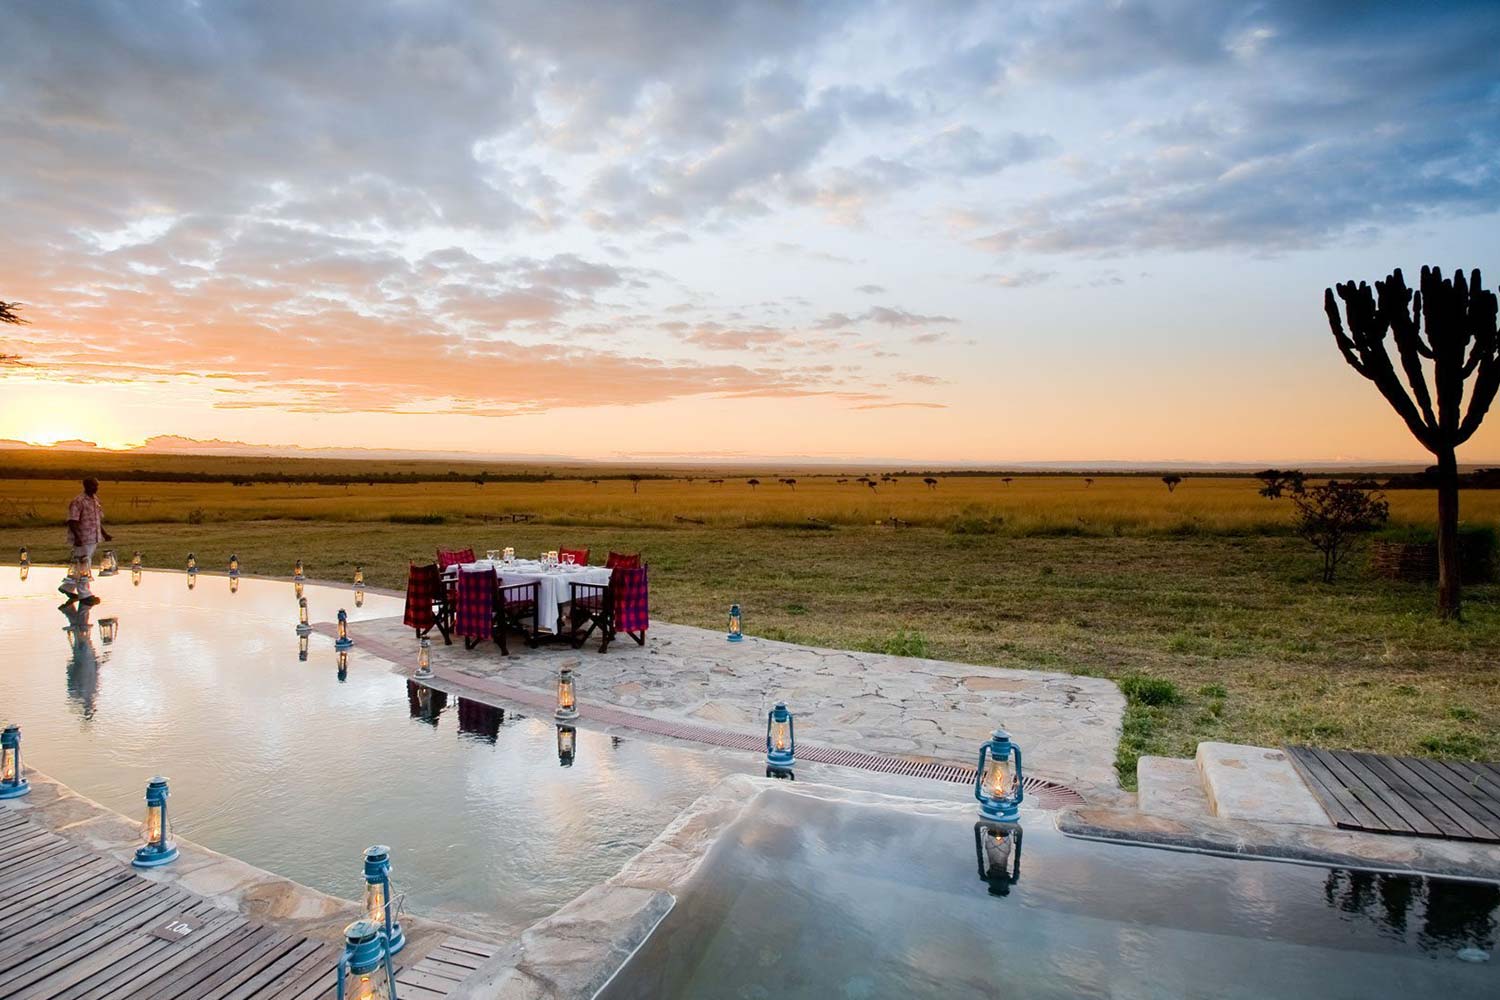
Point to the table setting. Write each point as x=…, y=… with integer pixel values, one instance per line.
x=551, y=574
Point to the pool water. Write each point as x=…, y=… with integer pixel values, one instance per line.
x=806, y=898
x=285, y=765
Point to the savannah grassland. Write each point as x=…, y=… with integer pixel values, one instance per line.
x=1205, y=588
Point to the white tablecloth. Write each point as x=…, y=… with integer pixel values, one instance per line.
x=552, y=585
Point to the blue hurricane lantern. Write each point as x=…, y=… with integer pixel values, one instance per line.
x=424, y=657
x=135, y=560
x=297, y=573
x=25, y=562
x=343, y=641
x=781, y=739
x=13, y=783
x=156, y=848
x=567, y=744
x=136, y=567
x=735, y=632
x=192, y=565
x=234, y=565
x=998, y=783
x=364, y=969
x=303, y=626
x=380, y=901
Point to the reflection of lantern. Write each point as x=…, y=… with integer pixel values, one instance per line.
x=380, y=903
x=364, y=970
x=343, y=664
x=297, y=570
x=303, y=627
x=135, y=576
x=234, y=565
x=156, y=832
x=424, y=657
x=108, y=629
x=781, y=739
x=567, y=737
x=343, y=641
x=567, y=704
x=234, y=584
x=735, y=635
x=302, y=648
x=13, y=781
x=998, y=850
x=192, y=580
x=998, y=785
x=359, y=577
x=297, y=587
x=109, y=563
x=359, y=598
x=192, y=565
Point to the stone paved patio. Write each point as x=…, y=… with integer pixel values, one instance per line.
x=923, y=709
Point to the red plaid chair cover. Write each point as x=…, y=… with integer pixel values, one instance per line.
x=623, y=560
x=426, y=601
x=632, y=601
x=475, y=615
x=580, y=556
x=453, y=557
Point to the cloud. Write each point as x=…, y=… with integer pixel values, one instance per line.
x=1019, y=279
x=901, y=406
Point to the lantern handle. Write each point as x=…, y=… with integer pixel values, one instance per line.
x=390, y=972
x=984, y=749
x=1020, y=774
x=343, y=968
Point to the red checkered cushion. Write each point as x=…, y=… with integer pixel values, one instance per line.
x=623, y=560
x=424, y=587
x=632, y=599
x=580, y=556
x=476, y=604
x=453, y=557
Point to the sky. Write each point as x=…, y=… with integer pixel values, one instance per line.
x=936, y=231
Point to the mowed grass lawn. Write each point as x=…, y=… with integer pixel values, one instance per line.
x=1203, y=588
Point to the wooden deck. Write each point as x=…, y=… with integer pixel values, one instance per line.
x=1404, y=795
x=75, y=925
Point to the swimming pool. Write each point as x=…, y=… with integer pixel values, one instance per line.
x=288, y=766
x=805, y=897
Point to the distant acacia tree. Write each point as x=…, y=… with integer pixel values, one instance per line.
x=593, y=482
x=1276, y=483
x=1172, y=482
x=752, y=483
x=635, y=483
x=1087, y=482
x=1007, y=480
x=8, y=314
x=789, y=482
x=931, y=483
x=871, y=483
x=1333, y=516
x=1462, y=341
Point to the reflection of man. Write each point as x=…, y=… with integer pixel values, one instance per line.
x=83, y=667
x=85, y=532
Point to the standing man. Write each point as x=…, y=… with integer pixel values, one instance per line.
x=85, y=531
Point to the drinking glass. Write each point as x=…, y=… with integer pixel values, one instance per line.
x=492, y=554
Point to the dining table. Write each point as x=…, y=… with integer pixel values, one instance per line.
x=553, y=590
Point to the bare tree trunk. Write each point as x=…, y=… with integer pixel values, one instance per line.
x=1449, y=568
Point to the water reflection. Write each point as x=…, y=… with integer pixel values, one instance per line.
x=567, y=744
x=426, y=704
x=302, y=648
x=480, y=720
x=343, y=665
x=1450, y=916
x=83, y=663
x=997, y=847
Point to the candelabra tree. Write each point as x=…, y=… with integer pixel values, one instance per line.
x=1458, y=348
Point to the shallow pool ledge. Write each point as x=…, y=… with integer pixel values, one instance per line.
x=572, y=954
x=227, y=882
x=1287, y=842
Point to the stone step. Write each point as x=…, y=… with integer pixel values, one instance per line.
x=1170, y=787
x=1256, y=783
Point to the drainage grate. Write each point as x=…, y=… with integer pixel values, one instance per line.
x=1049, y=794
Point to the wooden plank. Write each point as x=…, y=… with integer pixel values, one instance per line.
x=1457, y=786
x=268, y=945
x=426, y=980
x=24, y=900
x=1449, y=814
x=462, y=958
x=1432, y=802
x=70, y=905
x=202, y=962
x=1385, y=817
x=472, y=947
x=249, y=981
x=1481, y=788
x=1404, y=808
x=410, y=992
x=74, y=951
x=319, y=965
x=137, y=982
x=1342, y=806
x=126, y=949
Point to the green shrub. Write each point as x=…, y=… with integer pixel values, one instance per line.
x=417, y=519
x=1143, y=690
x=1213, y=691
x=975, y=525
x=1453, y=744
x=904, y=643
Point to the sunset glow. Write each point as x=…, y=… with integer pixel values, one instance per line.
x=956, y=234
